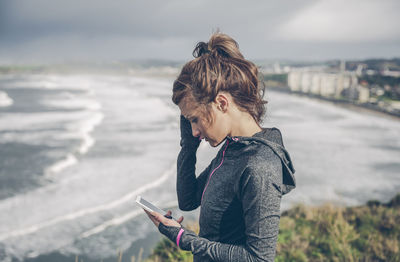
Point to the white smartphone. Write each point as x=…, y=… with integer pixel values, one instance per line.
x=149, y=206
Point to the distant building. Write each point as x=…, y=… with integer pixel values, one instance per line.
x=277, y=68
x=294, y=80
x=316, y=84
x=374, y=86
x=388, y=72
x=363, y=95
x=360, y=68
x=327, y=84
x=305, y=84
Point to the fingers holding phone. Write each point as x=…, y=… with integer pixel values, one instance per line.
x=158, y=215
x=156, y=218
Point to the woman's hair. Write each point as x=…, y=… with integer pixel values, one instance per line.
x=219, y=66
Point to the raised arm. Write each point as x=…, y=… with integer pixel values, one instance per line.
x=189, y=188
x=260, y=193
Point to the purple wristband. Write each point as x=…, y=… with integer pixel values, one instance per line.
x=178, y=238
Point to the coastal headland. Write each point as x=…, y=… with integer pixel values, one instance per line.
x=369, y=232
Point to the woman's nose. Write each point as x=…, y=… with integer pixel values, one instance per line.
x=195, y=131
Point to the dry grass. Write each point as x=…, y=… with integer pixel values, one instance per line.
x=316, y=234
x=329, y=233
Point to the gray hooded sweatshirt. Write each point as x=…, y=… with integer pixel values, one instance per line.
x=239, y=194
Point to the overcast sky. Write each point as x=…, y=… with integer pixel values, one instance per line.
x=61, y=30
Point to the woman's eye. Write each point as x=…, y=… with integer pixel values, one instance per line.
x=194, y=120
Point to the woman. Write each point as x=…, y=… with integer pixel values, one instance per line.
x=220, y=99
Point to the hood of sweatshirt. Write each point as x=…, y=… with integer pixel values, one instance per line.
x=272, y=138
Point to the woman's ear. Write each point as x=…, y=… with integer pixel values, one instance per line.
x=222, y=102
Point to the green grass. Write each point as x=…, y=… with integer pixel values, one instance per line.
x=326, y=233
x=329, y=233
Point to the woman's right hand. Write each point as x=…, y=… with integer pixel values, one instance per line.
x=157, y=218
x=187, y=139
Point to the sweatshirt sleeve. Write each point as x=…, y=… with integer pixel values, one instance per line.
x=189, y=188
x=260, y=194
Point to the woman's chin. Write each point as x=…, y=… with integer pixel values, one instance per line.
x=211, y=143
x=214, y=143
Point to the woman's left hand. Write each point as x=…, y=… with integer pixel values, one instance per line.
x=157, y=218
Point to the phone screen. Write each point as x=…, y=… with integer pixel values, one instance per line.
x=149, y=206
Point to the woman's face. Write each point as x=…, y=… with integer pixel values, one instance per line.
x=215, y=132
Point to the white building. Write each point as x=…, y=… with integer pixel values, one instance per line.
x=305, y=85
x=321, y=83
x=363, y=94
x=328, y=84
x=316, y=84
x=294, y=80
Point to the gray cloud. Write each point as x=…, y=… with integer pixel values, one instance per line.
x=48, y=30
x=344, y=21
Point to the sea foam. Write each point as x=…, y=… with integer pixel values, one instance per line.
x=5, y=100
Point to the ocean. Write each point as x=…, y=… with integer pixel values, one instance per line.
x=76, y=150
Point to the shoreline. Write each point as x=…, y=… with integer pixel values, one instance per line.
x=140, y=248
x=365, y=108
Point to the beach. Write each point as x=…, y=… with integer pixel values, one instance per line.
x=77, y=149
